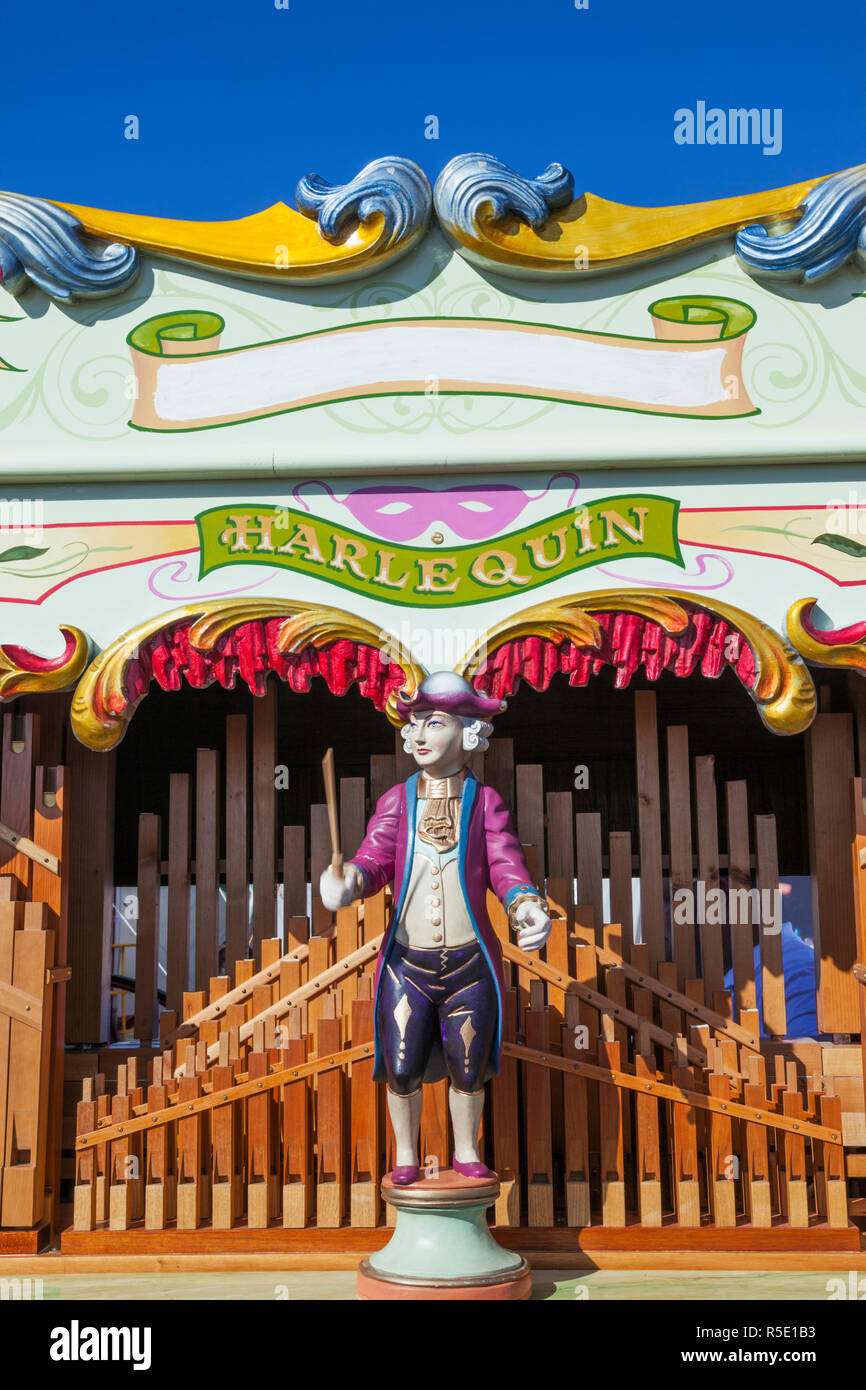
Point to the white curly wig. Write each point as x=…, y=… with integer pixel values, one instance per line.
x=476, y=734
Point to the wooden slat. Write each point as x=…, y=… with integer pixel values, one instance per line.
x=830, y=767
x=158, y=1179
x=499, y=770
x=576, y=1128
x=383, y=774
x=297, y=1148
x=796, y=1195
x=320, y=858
x=557, y=953
x=364, y=1165
x=712, y=931
x=264, y=815
x=237, y=839
x=330, y=1176
x=224, y=1155
x=19, y=749
x=687, y=1201
x=530, y=811
x=189, y=1154
x=506, y=1123
x=647, y=1155
x=831, y=1156
x=758, y=1185
x=352, y=814
x=539, y=1153
x=91, y=887
x=589, y=871
x=147, y=928
x=84, y=1196
x=294, y=872
x=680, y=827
x=560, y=843
x=740, y=881
x=621, y=888
x=611, y=1155
x=770, y=942
x=206, y=865
x=649, y=825
x=258, y=1138
x=178, y=896
x=720, y=1166
x=120, y=1189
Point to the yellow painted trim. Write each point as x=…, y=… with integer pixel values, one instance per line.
x=19, y=680
x=276, y=243
x=850, y=655
x=593, y=234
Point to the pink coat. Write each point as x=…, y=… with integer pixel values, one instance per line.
x=490, y=856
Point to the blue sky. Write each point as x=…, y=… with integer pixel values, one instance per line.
x=236, y=101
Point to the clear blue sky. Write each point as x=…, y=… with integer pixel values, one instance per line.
x=237, y=100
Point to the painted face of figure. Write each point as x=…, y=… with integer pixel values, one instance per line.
x=437, y=743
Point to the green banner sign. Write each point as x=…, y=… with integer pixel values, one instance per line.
x=446, y=576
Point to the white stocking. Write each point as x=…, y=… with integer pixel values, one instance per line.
x=466, y=1108
x=405, y=1113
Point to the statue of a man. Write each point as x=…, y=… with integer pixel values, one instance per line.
x=442, y=838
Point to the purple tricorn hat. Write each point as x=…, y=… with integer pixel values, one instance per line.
x=446, y=691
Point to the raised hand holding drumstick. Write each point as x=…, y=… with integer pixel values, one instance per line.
x=339, y=884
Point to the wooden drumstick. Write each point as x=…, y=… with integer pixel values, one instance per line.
x=333, y=822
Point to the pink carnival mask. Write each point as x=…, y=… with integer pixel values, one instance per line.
x=403, y=512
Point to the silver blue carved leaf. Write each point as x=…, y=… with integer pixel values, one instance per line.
x=396, y=187
x=831, y=231
x=472, y=182
x=44, y=244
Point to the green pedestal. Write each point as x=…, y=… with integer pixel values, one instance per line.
x=442, y=1246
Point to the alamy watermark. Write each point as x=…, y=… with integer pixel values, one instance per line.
x=737, y=126
x=713, y=907
x=846, y=516
x=23, y=517
x=436, y=648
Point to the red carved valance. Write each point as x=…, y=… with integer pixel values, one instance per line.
x=628, y=641
x=250, y=651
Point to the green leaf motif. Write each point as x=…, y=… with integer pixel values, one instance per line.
x=23, y=552
x=844, y=543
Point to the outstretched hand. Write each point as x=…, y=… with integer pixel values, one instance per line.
x=338, y=891
x=533, y=926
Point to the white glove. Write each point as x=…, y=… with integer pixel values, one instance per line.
x=339, y=892
x=534, y=926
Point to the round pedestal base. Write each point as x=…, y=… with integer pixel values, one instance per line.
x=442, y=1247
x=511, y=1288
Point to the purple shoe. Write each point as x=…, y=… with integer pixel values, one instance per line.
x=471, y=1170
x=405, y=1174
